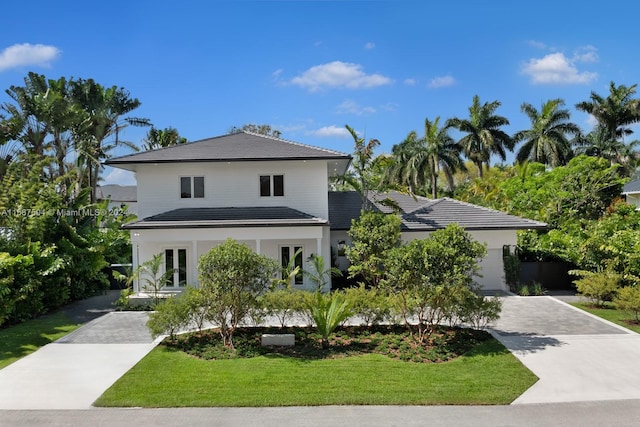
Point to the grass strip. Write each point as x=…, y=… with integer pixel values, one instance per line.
x=22, y=339
x=610, y=313
x=489, y=374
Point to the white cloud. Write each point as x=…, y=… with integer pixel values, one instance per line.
x=442, y=81
x=349, y=106
x=556, y=68
x=536, y=44
x=369, y=45
x=338, y=74
x=587, y=54
x=119, y=176
x=591, y=121
x=28, y=54
x=331, y=131
x=410, y=82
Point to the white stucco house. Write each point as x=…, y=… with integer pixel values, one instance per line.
x=272, y=194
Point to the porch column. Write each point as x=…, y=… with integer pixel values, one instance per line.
x=194, y=263
x=319, y=247
x=258, y=246
x=134, y=265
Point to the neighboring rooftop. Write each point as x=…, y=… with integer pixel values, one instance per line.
x=117, y=193
x=422, y=214
x=631, y=187
x=243, y=146
x=227, y=217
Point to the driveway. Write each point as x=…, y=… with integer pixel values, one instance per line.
x=577, y=356
x=74, y=371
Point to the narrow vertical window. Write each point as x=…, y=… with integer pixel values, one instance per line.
x=285, y=257
x=182, y=267
x=265, y=185
x=198, y=187
x=278, y=185
x=185, y=187
x=297, y=250
x=168, y=264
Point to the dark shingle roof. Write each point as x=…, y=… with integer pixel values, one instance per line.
x=228, y=217
x=631, y=187
x=422, y=214
x=117, y=193
x=244, y=146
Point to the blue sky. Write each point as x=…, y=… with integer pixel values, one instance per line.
x=307, y=68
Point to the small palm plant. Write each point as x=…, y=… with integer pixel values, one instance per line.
x=328, y=312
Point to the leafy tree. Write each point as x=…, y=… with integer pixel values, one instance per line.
x=161, y=138
x=546, y=141
x=373, y=235
x=232, y=277
x=170, y=317
x=266, y=130
x=616, y=112
x=418, y=161
x=483, y=134
x=432, y=276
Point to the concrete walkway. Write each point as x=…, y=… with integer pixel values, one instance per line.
x=74, y=371
x=577, y=356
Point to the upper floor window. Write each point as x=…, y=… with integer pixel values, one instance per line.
x=192, y=187
x=271, y=185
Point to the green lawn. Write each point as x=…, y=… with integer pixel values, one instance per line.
x=25, y=338
x=170, y=378
x=610, y=313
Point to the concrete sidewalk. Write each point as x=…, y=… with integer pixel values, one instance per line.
x=577, y=356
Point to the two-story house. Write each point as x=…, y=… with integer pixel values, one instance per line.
x=272, y=194
x=266, y=192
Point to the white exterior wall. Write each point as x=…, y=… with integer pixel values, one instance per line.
x=198, y=241
x=234, y=184
x=634, y=199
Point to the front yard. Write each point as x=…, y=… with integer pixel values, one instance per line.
x=168, y=377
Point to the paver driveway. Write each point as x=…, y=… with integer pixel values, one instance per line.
x=74, y=371
x=577, y=356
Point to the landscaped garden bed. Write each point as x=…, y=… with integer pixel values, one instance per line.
x=392, y=341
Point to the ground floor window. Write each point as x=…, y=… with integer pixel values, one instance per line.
x=176, y=259
x=286, y=252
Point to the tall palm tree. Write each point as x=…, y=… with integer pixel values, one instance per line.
x=419, y=160
x=361, y=176
x=98, y=133
x=598, y=143
x=546, y=141
x=483, y=134
x=615, y=112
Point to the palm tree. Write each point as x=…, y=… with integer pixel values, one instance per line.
x=98, y=133
x=419, y=160
x=615, y=112
x=598, y=143
x=484, y=136
x=362, y=175
x=546, y=141
x=161, y=138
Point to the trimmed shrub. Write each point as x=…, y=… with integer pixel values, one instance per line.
x=628, y=299
x=598, y=287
